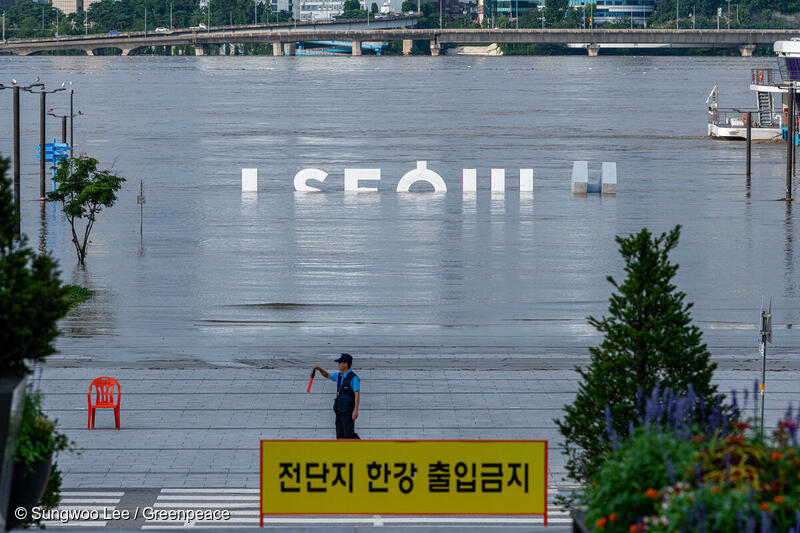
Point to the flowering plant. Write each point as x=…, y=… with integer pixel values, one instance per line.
x=714, y=477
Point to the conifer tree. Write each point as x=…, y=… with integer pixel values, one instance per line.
x=649, y=341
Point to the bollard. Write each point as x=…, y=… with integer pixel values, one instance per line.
x=249, y=180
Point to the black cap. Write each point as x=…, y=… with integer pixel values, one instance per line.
x=345, y=358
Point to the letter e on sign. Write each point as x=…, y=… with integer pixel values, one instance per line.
x=353, y=175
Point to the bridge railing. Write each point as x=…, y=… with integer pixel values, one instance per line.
x=765, y=76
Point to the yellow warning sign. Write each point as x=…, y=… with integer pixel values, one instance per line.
x=403, y=477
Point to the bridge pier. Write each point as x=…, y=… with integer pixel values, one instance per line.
x=436, y=48
x=356, y=48
x=127, y=51
x=89, y=52
x=593, y=49
x=407, y=45
x=200, y=50
x=747, y=50
x=277, y=49
x=291, y=48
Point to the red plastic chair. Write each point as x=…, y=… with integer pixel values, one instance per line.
x=104, y=397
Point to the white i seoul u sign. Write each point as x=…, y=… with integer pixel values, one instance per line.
x=354, y=176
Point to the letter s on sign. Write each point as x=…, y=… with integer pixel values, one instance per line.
x=302, y=177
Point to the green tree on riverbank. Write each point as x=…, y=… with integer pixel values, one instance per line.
x=649, y=341
x=84, y=191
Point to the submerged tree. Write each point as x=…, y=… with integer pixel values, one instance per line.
x=32, y=298
x=649, y=342
x=83, y=192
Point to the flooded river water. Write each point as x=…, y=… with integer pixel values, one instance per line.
x=222, y=276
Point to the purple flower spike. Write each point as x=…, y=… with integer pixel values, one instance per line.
x=766, y=522
x=671, y=471
x=755, y=399
x=612, y=434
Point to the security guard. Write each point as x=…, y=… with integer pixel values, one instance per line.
x=348, y=392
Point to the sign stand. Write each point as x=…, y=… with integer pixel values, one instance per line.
x=53, y=153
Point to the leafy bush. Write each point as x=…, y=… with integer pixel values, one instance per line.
x=77, y=294
x=626, y=485
x=38, y=439
x=712, y=475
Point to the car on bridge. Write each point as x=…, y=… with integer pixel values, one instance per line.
x=161, y=29
x=113, y=32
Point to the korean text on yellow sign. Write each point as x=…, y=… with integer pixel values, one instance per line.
x=403, y=477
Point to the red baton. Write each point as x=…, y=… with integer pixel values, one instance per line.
x=310, y=381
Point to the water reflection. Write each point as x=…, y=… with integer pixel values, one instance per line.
x=42, y=228
x=417, y=274
x=791, y=282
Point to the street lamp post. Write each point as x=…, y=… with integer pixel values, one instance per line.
x=63, y=123
x=170, y=15
x=42, y=141
x=72, y=116
x=16, y=121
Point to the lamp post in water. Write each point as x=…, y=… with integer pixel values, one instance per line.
x=16, y=88
x=765, y=336
x=42, y=119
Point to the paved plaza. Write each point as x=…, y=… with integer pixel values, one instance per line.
x=190, y=436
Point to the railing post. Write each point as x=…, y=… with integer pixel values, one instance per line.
x=749, y=141
x=789, y=144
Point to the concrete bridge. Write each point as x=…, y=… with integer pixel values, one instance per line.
x=284, y=38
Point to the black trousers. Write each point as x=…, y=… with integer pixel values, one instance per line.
x=345, y=426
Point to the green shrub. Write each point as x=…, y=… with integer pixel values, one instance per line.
x=665, y=480
x=77, y=294
x=626, y=486
x=38, y=439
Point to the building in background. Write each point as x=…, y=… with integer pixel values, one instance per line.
x=70, y=6
x=284, y=5
x=610, y=10
x=320, y=9
x=514, y=8
x=508, y=8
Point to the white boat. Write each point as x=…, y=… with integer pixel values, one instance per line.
x=731, y=123
x=772, y=98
